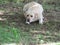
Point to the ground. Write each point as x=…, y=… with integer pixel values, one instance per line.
x=14, y=28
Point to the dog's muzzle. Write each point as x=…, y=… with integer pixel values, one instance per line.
x=28, y=21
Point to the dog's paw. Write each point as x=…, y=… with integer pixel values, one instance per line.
x=27, y=23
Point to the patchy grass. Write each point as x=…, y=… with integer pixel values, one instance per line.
x=14, y=29
x=9, y=34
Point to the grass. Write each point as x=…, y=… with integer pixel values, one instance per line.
x=14, y=29
x=9, y=34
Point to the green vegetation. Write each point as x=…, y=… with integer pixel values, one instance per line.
x=9, y=34
x=14, y=29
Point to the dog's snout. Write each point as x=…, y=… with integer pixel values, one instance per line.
x=28, y=20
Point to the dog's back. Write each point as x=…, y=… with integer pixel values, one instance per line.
x=31, y=5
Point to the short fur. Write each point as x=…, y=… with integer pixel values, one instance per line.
x=33, y=11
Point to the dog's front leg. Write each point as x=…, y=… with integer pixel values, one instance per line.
x=41, y=20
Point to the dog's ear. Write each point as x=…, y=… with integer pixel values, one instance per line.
x=36, y=15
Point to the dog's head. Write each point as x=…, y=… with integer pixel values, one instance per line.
x=29, y=17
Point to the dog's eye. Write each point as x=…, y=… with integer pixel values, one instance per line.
x=27, y=15
x=31, y=16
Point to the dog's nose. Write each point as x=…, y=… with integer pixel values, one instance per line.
x=28, y=20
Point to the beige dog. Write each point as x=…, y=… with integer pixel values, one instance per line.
x=33, y=12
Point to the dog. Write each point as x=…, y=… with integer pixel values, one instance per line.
x=33, y=11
